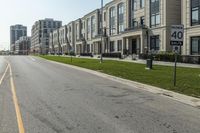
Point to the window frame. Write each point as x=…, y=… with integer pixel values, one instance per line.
x=112, y=17
x=93, y=26
x=192, y=9
x=121, y=12
x=156, y=15
x=119, y=45
x=198, y=46
x=142, y=4
x=155, y=47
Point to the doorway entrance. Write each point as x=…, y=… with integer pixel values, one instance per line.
x=134, y=46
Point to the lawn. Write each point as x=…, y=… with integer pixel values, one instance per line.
x=188, y=79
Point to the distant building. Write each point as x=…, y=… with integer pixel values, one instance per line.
x=71, y=36
x=16, y=49
x=4, y=52
x=16, y=31
x=22, y=46
x=87, y=33
x=56, y=44
x=62, y=39
x=40, y=35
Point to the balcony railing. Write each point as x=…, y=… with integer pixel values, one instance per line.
x=136, y=28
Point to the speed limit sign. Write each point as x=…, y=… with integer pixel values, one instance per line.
x=177, y=34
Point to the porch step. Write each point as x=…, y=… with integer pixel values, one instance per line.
x=132, y=57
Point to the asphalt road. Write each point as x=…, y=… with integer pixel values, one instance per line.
x=53, y=98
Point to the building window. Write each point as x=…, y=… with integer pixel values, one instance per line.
x=195, y=45
x=88, y=27
x=195, y=11
x=134, y=5
x=119, y=45
x=49, y=24
x=88, y=48
x=154, y=43
x=77, y=32
x=155, y=13
x=112, y=20
x=141, y=3
x=135, y=23
x=54, y=24
x=70, y=29
x=93, y=25
x=121, y=17
x=142, y=21
x=112, y=46
x=104, y=16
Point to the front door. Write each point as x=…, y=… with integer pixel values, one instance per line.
x=134, y=46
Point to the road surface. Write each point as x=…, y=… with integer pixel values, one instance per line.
x=52, y=98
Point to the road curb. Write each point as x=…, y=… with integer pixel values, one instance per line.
x=195, y=102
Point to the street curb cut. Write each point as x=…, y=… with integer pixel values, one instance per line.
x=195, y=102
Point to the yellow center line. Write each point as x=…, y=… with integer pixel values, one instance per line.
x=15, y=101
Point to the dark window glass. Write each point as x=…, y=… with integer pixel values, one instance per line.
x=195, y=11
x=154, y=43
x=112, y=45
x=142, y=21
x=155, y=12
x=121, y=17
x=88, y=48
x=112, y=20
x=119, y=45
x=195, y=45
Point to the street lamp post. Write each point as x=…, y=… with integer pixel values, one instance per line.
x=101, y=59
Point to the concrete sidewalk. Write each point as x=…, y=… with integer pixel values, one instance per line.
x=139, y=61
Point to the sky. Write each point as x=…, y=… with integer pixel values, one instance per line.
x=26, y=12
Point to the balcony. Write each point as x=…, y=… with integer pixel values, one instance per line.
x=138, y=27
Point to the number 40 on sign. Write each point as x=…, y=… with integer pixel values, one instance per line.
x=177, y=34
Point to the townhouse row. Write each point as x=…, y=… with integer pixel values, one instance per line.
x=130, y=27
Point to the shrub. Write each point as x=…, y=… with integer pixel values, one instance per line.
x=112, y=55
x=86, y=54
x=170, y=57
x=72, y=53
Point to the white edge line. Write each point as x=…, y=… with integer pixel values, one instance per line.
x=4, y=74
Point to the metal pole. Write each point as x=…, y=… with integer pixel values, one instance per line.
x=175, y=65
x=23, y=48
x=101, y=60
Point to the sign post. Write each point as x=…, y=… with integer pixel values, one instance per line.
x=177, y=34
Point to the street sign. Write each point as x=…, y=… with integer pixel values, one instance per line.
x=177, y=34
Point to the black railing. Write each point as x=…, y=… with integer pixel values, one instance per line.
x=136, y=27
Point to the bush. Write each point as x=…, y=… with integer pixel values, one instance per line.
x=169, y=57
x=59, y=53
x=112, y=55
x=191, y=59
x=86, y=54
x=72, y=53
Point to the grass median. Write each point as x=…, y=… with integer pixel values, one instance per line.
x=188, y=79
